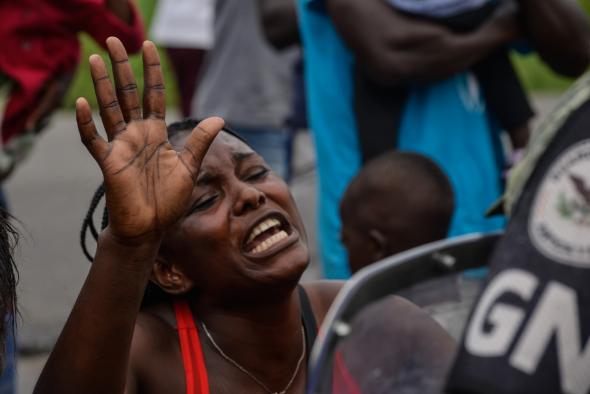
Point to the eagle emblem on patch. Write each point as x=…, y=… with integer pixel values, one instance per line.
x=559, y=223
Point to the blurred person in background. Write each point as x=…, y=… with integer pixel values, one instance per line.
x=185, y=29
x=444, y=116
x=504, y=94
x=41, y=50
x=249, y=83
x=281, y=30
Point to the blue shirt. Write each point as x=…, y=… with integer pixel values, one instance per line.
x=446, y=121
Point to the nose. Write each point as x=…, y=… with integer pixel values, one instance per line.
x=248, y=198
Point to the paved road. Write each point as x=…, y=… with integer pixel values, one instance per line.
x=50, y=195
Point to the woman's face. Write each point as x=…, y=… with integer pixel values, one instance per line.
x=243, y=228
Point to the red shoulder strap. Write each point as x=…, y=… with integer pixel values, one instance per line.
x=192, y=355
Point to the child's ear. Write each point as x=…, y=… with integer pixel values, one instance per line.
x=378, y=242
x=170, y=279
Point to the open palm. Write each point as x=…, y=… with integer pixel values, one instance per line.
x=148, y=183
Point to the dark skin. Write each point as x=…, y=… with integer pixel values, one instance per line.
x=378, y=222
x=180, y=214
x=258, y=317
x=159, y=199
x=395, y=49
x=366, y=244
x=120, y=9
x=560, y=31
x=279, y=22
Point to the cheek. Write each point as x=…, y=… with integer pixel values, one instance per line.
x=282, y=196
x=356, y=249
x=203, y=237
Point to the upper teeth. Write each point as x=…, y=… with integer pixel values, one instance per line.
x=262, y=227
x=270, y=242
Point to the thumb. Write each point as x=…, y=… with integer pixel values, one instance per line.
x=199, y=140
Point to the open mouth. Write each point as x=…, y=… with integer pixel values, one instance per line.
x=266, y=234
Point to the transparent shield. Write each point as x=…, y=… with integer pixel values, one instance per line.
x=399, y=338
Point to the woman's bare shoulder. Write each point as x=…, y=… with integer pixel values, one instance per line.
x=321, y=295
x=155, y=329
x=154, y=343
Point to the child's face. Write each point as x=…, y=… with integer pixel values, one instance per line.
x=357, y=246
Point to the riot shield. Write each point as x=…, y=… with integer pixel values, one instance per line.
x=429, y=276
x=529, y=329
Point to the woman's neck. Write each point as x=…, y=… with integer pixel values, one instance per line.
x=265, y=339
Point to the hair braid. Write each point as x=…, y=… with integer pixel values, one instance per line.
x=88, y=222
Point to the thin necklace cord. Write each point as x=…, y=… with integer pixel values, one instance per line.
x=248, y=373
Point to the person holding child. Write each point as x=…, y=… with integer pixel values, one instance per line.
x=444, y=114
x=41, y=50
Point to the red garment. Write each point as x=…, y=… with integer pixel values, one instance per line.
x=39, y=41
x=195, y=371
x=342, y=380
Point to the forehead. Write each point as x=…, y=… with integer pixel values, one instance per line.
x=224, y=142
x=225, y=146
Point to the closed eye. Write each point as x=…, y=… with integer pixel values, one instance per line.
x=258, y=174
x=203, y=204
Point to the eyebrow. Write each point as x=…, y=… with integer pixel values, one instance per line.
x=207, y=177
x=239, y=157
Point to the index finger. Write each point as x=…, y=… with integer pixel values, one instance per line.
x=199, y=140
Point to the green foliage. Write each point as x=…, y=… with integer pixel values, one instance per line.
x=536, y=76
x=82, y=83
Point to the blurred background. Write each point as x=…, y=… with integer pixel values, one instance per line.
x=51, y=191
x=536, y=76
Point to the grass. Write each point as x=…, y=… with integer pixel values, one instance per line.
x=535, y=75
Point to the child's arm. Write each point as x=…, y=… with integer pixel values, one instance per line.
x=398, y=49
x=103, y=19
x=279, y=22
x=148, y=187
x=560, y=33
x=122, y=9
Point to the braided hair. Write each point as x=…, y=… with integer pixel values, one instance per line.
x=88, y=222
x=153, y=293
x=8, y=279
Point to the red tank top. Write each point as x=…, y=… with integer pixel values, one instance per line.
x=195, y=372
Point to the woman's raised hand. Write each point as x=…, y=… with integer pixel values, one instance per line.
x=148, y=183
